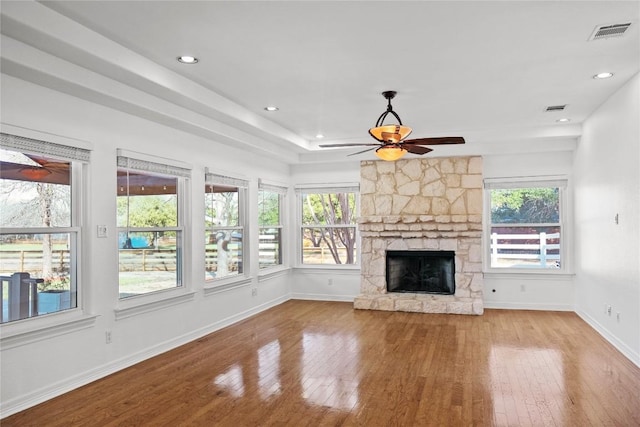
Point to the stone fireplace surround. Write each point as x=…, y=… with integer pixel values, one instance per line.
x=421, y=204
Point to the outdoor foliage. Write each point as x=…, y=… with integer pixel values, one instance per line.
x=525, y=206
x=268, y=208
x=325, y=213
x=148, y=211
x=221, y=208
x=32, y=204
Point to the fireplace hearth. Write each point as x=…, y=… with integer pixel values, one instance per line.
x=428, y=272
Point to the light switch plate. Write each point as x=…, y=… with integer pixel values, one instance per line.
x=102, y=231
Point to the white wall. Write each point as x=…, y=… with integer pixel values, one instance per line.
x=35, y=371
x=607, y=183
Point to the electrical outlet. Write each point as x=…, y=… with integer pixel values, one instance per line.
x=254, y=292
x=107, y=337
x=523, y=288
x=330, y=282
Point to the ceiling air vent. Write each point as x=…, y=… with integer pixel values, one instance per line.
x=608, y=31
x=556, y=107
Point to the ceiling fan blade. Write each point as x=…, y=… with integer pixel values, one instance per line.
x=349, y=145
x=360, y=152
x=416, y=149
x=436, y=141
x=49, y=164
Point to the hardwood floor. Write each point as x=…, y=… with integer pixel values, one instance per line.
x=307, y=363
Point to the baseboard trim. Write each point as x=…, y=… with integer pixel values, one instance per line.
x=528, y=306
x=49, y=392
x=322, y=297
x=604, y=332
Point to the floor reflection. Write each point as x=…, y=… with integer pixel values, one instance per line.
x=231, y=381
x=330, y=370
x=269, y=370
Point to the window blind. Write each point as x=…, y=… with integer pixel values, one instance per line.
x=46, y=148
x=327, y=188
x=525, y=182
x=272, y=187
x=215, y=179
x=129, y=161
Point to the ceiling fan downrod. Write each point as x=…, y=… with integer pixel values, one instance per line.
x=389, y=95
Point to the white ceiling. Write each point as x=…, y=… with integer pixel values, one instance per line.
x=482, y=70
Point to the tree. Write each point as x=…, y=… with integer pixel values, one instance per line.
x=268, y=208
x=525, y=205
x=53, y=209
x=148, y=211
x=325, y=211
x=221, y=210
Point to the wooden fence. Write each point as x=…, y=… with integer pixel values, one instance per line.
x=31, y=261
x=535, y=250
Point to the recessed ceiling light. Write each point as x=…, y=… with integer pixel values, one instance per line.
x=187, y=59
x=319, y=136
x=603, y=75
x=271, y=108
x=563, y=120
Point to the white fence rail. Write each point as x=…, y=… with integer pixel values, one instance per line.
x=520, y=247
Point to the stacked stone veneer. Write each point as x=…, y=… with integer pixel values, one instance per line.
x=421, y=204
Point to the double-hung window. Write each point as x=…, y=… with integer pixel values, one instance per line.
x=151, y=223
x=40, y=226
x=525, y=227
x=270, y=210
x=225, y=227
x=328, y=230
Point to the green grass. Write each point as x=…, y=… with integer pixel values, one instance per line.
x=30, y=247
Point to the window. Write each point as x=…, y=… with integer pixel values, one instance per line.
x=40, y=226
x=328, y=225
x=150, y=223
x=526, y=229
x=270, y=203
x=225, y=231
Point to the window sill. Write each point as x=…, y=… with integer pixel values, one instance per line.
x=528, y=274
x=226, y=285
x=36, y=329
x=149, y=303
x=272, y=272
x=313, y=269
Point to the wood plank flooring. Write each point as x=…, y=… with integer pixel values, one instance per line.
x=307, y=363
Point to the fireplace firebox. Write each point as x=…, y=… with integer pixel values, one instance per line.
x=429, y=272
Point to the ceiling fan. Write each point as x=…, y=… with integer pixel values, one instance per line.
x=39, y=169
x=392, y=144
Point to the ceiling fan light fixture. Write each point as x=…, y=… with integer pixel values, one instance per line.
x=390, y=133
x=390, y=153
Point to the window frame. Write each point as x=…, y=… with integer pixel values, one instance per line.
x=565, y=251
x=242, y=185
x=281, y=191
x=302, y=189
x=78, y=153
x=141, y=163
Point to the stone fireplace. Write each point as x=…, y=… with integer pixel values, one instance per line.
x=432, y=204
